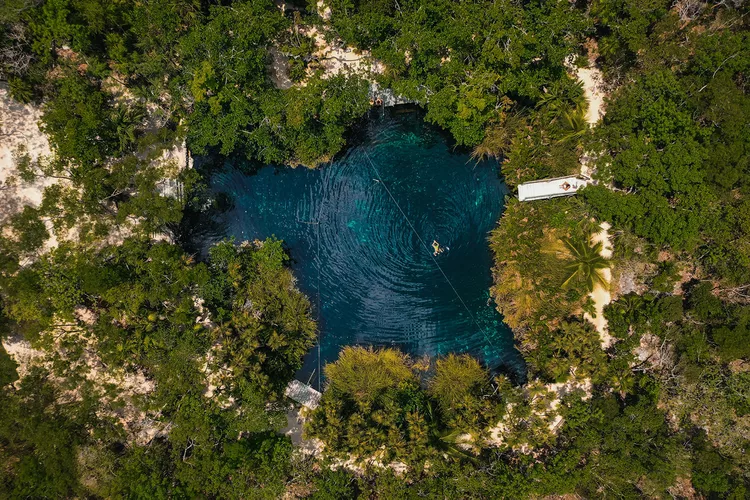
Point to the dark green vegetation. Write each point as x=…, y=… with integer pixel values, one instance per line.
x=672, y=165
x=120, y=82
x=676, y=144
x=492, y=73
x=200, y=63
x=135, y=309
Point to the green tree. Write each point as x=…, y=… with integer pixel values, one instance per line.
x=77, y=120
x=373, y=405
x=8, y=366
x=587, y=264
x=40, y=438
x=461, y=387
x=30, y=231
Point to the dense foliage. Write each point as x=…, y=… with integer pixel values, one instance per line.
x=135, y=308
x=201, y=62
x=531, y=259
x=158, y=376
x=468, y=61
x=676, y=144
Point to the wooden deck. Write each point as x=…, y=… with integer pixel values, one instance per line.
x=545, y=189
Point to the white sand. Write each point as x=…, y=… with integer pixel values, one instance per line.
x=592, y=88
x=602, y=296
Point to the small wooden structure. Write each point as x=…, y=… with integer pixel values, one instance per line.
x=544, y=189
x=303, y=394
x=171, y=188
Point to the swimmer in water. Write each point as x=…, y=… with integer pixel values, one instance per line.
x=437, y=248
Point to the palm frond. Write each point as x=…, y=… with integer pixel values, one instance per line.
x=587, y=263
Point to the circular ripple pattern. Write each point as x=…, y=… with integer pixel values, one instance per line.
x=378, y=283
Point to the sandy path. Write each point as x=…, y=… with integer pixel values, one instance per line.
x=602, y=296
x=592, y=87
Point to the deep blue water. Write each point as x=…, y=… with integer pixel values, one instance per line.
x=377, y=280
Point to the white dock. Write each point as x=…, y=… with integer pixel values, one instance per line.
x=545, y=189
x=303, y=394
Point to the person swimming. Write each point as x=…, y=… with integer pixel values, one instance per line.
x=437, y=248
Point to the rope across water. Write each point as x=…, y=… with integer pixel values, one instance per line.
x=427, y=248
x=358, y=233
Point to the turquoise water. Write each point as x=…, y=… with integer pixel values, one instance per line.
x=367, y=254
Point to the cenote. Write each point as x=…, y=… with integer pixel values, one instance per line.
x=366, y=253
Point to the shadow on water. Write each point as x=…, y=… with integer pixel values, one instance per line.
x=359, y=232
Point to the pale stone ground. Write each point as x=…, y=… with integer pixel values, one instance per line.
x=550, y=412
x=19, y=126
x=336, y=59
x=339, y=58
x=279, y=69
x=324, y=11
x=140, y=426
x=23, y=354
x=656, y=352
x=295, y=419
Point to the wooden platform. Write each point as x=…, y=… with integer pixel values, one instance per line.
x=545, y=189
x=303, y=394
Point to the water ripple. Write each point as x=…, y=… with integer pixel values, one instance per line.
x=378, y=283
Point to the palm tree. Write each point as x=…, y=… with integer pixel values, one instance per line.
x=497, y=139
x=560, y=97
x=575, y=124
x=587, y=264
x=125, y=122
